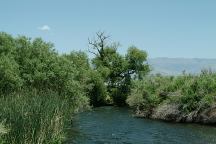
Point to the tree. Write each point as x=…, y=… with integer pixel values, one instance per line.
x=9, y=69
x=117, y=70
x=137, y=62
x=37, y=60
x=98, y=45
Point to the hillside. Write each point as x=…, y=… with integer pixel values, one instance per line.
x=175, y=66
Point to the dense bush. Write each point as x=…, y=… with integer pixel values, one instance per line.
x=40, y=90
x=192, y=92
x=98, y=92
x=145, y=94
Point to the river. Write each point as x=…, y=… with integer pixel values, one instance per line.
x=113, y=125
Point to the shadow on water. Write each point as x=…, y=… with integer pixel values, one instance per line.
x=113, y=125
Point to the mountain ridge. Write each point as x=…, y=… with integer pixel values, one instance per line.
x=175, y=66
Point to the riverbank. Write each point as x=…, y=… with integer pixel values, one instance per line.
x=170, y=112
x=185, y=98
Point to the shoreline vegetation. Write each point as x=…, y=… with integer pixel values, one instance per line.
x=41, y=90
x=186, y=98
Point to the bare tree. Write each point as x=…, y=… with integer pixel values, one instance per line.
x=98, y=44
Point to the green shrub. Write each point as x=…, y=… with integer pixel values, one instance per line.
x=192, y=92
x=143, y=95
x=39, y=90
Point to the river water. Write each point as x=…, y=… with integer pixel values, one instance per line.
x=113, y=125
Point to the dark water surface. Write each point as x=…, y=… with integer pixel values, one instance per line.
x=112, y=125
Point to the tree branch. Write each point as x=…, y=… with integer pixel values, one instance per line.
x=98, y=44
x=92, y=52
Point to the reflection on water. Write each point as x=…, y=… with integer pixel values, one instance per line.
x=112, y=125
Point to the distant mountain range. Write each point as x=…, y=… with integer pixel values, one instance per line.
x=175, y=66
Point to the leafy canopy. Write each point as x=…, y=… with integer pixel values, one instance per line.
x=117, y=70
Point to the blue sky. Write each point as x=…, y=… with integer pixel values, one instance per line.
x=164, y=28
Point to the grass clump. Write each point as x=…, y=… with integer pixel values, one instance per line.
x=35, y=117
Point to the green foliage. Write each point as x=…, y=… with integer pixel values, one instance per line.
x=98, y=91
x=9, y=69
x=192, y=92
x=117, y=70
x=40, y=89
x=136, y=59
x=37, y=61
x=3, y=131
x=91, y=81
x=9, y=74
x=144, y=94
x=34, y=117
x=198, y=92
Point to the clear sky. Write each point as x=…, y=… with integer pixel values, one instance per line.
x=164, y=28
